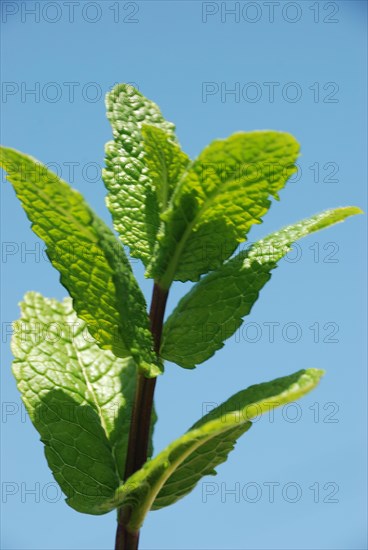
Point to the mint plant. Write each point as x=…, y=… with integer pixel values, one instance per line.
x=89, y=385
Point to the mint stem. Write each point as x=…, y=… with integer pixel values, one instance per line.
x=141, y=419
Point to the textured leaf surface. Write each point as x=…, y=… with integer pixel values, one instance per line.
x=79, y=398
x=214, y=309
x=132, y=198
x=224, y=192
x=91, y=261
x=165, y=161
x=176, y=470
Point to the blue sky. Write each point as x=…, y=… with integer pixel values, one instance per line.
x=293, y=66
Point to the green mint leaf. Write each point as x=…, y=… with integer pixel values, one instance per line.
x=175, y=471
x=79, y=397
x=214, y=309
x=91, y=261
x=225, y=191
x=165, y=161
x=132, y=198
